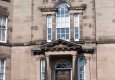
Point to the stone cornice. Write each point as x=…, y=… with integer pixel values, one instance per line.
x=44, y=41
x=82, y=7
x=60, y=45
x=4, y=11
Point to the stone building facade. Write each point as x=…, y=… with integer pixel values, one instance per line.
x=57, y=39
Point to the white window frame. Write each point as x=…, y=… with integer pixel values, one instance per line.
x=5, y=36
x=79, y=72
x=4, y=65
x=49, y=27
x=42, y=67
x=60, y=23
x=76, y=22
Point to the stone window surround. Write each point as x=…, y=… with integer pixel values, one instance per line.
x=73, y=10
x=42, y=67
x=4, y=12
x=3, y=28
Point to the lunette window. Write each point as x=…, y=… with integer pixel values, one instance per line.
x=81, y=68
x=3, y=28
x=43, y=69
x=2, y=69
x=63, y=22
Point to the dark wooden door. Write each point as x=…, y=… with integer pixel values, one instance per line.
x=63, y=74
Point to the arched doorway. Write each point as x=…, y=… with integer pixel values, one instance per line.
x=63, y=70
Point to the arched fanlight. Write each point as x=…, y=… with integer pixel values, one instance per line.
x=62, y=64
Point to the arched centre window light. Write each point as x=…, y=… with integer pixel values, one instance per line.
x=63, y=21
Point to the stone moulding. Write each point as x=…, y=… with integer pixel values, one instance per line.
x=60, y=45
x=4, y=11
x=82, y=7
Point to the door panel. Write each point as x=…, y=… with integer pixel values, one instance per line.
x=62, y=74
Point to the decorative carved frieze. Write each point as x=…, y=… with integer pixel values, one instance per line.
x=60, y=45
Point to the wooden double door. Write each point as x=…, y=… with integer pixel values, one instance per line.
x=63, y=75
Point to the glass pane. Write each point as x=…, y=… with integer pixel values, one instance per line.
x=3, y=35
x=1, y=66
x=67, y=30
x=67, y=24
x=43, y=68
x=76, y=36
x=58, y=36
x=4, y=22
x=58, y=12
x=43, y=62
x=81, y=62
x=0, y=31
x=62, y=12
x=62, y=30
x=76, y=29
x=49, y=21
x=82, y=68
x=0, y=34
x=49, y=30
x=76, y=32
x=63, y=64
x=76, y=17
x=43, y=75
x=66, y=12
x=0, y=25
x=1, y=75
x=0, y=37
x=67, y=36
x=49, y=37
x=3, y=27
x=58, y=30
x=76, y=23
x=63, y=36
x=81, y=76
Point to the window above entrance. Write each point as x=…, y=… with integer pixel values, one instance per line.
x=62, y=21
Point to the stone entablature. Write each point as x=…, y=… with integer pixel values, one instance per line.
x=60, y=45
